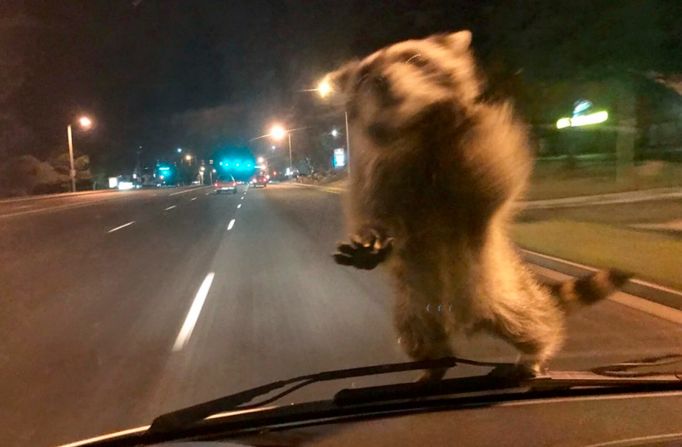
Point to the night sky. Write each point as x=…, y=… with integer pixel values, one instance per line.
x=201, y=74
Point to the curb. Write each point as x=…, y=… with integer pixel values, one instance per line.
x=643, y=289
x=58, y=195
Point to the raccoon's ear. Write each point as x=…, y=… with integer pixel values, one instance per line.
x=459, y=41
x=341, y=78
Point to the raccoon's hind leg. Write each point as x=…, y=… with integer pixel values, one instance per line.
x=420, y=327
x=536, y=330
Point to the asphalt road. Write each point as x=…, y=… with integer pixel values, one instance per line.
x=119, y=306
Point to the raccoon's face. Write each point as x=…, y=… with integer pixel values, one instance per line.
x=396, y=86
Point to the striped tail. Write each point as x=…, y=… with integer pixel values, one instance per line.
x=589, y=289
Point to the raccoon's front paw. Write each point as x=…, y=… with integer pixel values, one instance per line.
x=365, y=251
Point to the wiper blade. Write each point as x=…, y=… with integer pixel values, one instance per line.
x=634, y=368
x=187, y=416
x=504, y=376
x=494, y=381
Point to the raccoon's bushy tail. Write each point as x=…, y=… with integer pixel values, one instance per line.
x=589, y=289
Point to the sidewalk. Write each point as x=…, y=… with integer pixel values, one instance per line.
x=606, y=199
x=55, y=196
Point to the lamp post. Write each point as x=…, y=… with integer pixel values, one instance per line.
x=85, y=123
x=277, y=132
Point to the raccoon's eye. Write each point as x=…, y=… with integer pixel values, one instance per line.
x=361, y=80
x=416, y=59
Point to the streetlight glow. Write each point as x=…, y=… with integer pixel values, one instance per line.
x=85, y=122
x=179, y=150
x=324, y=88
x=260, y=160
x=335, y=133
x=188, y=157
x=278, y=132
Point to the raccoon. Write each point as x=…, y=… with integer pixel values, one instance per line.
x=435, y=173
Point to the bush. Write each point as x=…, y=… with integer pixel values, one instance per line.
x=27, y=175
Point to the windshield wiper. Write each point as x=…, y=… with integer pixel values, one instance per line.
x=503, y=376
x=182, y=418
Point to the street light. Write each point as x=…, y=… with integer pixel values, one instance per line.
x=188, y=157
x=278, y=132
x=85, y=123
x=324, y=88
x=335, y=133
x=179, y=150
x=260, y=160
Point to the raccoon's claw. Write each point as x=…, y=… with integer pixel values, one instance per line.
x=364, y=252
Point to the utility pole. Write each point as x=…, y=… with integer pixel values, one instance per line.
x=345, y=114
x=291, y=165
x=72, y=170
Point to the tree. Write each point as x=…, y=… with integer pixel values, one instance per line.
x=27, y=175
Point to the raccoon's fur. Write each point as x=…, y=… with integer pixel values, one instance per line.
x=435, y=174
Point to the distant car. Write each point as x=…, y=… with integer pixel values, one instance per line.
x=125, y=185
x=259, y=181
x=225, y=184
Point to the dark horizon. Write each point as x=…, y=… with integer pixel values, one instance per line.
x=167, y=74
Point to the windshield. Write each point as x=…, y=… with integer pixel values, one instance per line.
x=428, y=184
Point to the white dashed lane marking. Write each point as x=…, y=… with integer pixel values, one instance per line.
x=121, y=226
x=193, y=314
x=169, y=208
x=230, y=225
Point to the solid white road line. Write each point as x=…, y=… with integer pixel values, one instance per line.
x=192, y=199
x=230, y=225
x=193, y=314
x=239, y=206
x=121, y=226
x=169, y=208
x=186, y=190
